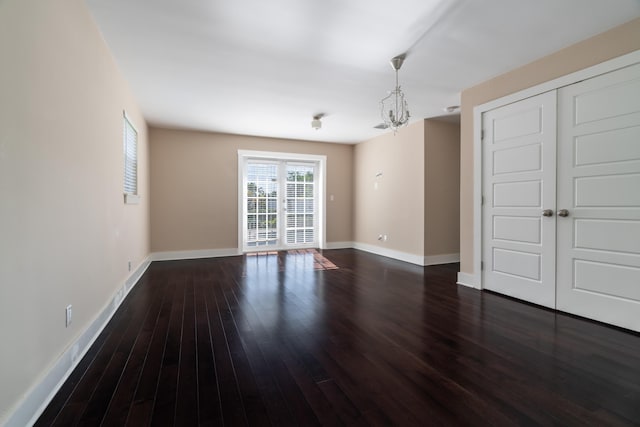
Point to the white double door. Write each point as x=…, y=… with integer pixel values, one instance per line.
x=561, y=189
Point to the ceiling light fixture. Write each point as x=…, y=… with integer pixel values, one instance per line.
x=316, y=123
x=394, y=108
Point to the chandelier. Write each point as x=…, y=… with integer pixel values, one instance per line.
x=393, y=107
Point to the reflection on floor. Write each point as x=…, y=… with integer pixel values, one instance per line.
x=297, y=259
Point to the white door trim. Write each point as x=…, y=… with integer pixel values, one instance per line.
x=274, y=155
x=602, y=68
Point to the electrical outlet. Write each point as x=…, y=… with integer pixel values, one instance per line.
x=380, y=237
x=68, y=315
x=384, y=238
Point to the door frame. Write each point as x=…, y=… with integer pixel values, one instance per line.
x=321, y=160
x=474, y=280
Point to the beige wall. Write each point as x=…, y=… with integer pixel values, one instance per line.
x=395, y=206
x=442, y=188
x=194, y=187
x=608, y=45
x=66, y=235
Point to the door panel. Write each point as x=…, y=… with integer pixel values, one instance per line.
x=519, y=157
x=517, y=264
x=516, y=124
x=607, y=279
x=516, y=229
x=300, y=204
x=517, y=194
x=596, y=191
x=619, y=145
x=605, y=97
x=607, y=235
x=599, y=184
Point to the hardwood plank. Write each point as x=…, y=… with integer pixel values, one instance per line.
x=231, y=401
x=123, y=397
x=187, y=391
x=311, y=392
x=255, y=411
x=110, y=380
x=209, y=409
x=164, y=405
x=144, y=397
x=283, y=399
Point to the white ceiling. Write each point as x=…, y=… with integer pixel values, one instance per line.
x=265, y=67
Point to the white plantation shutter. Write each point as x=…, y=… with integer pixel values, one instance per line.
x=130, y=158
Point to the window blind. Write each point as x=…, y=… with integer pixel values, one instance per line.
x=130, y=158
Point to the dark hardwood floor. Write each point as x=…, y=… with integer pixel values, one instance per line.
x=261, y=341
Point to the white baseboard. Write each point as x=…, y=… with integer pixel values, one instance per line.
x=339, y=245
x=441, y=259
x=466, y=279
x=35, y=401
x=389, y=253
x=407, y=257
x=195, y=254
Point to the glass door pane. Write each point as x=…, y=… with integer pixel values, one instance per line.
x=300, y=206
x=261, y=204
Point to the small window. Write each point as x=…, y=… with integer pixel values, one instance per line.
x=130, y=138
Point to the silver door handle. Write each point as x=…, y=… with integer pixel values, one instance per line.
x=563, y=213
x=547, y=212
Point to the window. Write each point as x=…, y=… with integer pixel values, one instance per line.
x=130, y=141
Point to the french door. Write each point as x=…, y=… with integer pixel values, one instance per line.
x=280, y=204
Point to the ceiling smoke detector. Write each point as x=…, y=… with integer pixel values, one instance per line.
x=451, y=108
